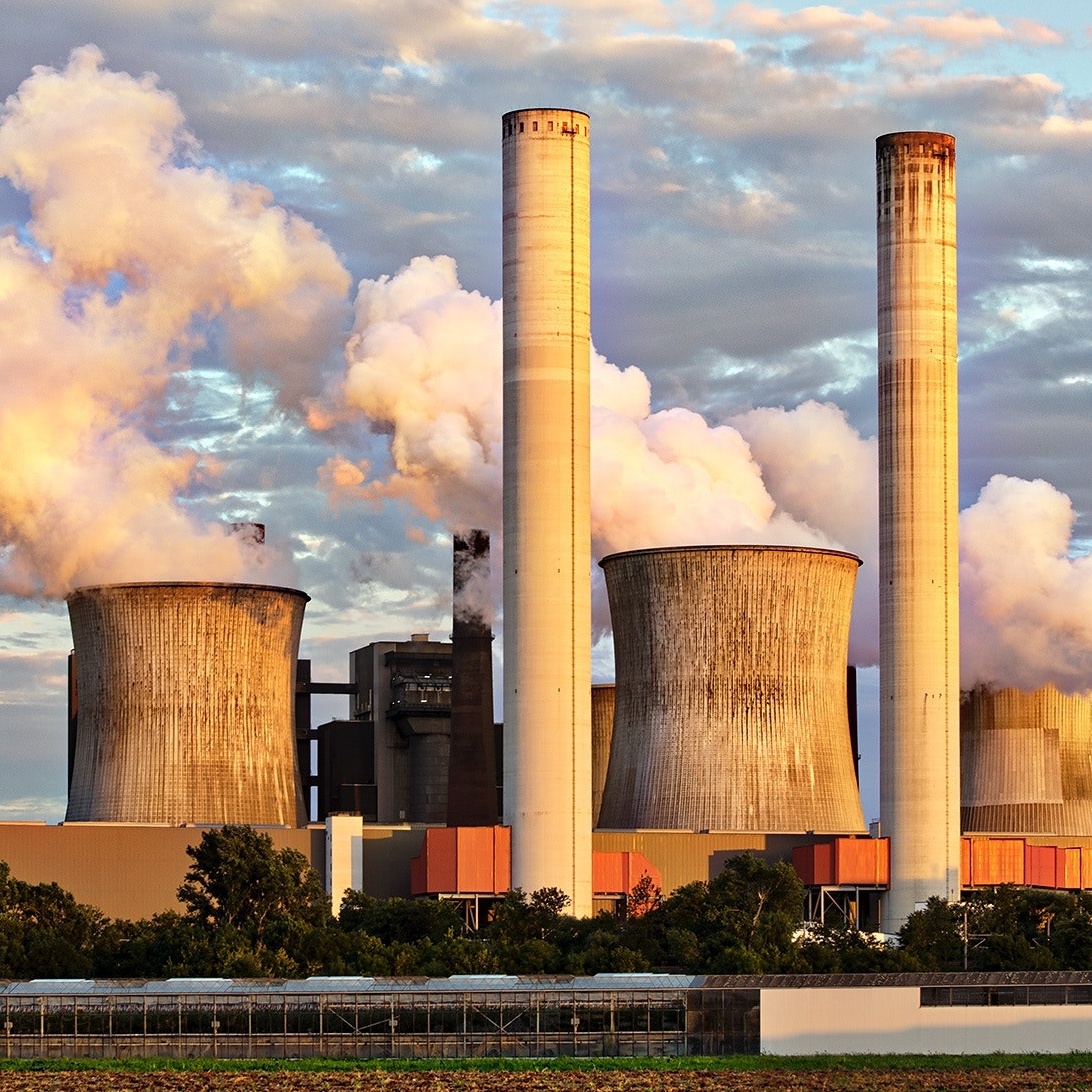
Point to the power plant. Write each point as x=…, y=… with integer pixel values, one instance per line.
x=919, y=517
x=730, y=726
x=730, y=693
x=547, y=499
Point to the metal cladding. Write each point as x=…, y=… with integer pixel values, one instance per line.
x=919, y=557
x=186, y=695
x=602, y=728
x=472, y=767
x=730, y=692
x=1026, y=762
x=547, y=502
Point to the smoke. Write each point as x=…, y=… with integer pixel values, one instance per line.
x=472, y=592
x=822, y=472
x=132, y=251
x=1025, y=605
x=424, y=364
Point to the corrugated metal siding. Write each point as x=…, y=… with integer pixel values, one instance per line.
x=730, y=693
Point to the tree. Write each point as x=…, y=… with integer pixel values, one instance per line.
x=252, y=895
x=742, y=921
x=44, y=931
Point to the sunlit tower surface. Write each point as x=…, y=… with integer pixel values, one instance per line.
x=547, y=508
x=919, y=562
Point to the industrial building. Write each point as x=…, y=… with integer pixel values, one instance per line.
x=730, y=726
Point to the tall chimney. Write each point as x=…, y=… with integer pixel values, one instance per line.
x=472, y=769
x=919, y=558
x=547, y=517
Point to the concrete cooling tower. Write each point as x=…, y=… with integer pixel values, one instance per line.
x=602, y=728
x=185, y=702
x=1026, y=762
x=730, y=692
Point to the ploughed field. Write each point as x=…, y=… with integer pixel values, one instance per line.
x=824, y=1076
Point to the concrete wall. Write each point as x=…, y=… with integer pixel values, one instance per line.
x=890, y=1020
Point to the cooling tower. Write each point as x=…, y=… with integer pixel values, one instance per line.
x=547, y=507
x=730, y=691
x=919, y=555
x=1026, y=762
x=602, y=728
x=186, y=696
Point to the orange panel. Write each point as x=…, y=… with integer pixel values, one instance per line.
x=618, y=872
x=1086, y=866
x=996, y=861
x=1069, y=868
x=965, y=862
x=1010, y=859
x=607, y=873
x=860, y=861
x=463, y=860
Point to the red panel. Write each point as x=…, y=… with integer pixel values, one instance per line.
x=803, y=863
x=1040, y=866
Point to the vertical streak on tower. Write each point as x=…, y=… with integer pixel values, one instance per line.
x=919, y=565
x=547, y=531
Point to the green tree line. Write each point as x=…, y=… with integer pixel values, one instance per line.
x=251, y=911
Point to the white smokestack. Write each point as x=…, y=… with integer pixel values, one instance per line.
x=547, y=502
x=919, y=559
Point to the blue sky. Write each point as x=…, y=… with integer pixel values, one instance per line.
x=229, y=226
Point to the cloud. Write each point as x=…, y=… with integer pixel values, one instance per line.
x=971, y=30
x=133, y=248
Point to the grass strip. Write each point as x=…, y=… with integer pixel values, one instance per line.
x=742, y=1063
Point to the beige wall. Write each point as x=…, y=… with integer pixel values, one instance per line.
x=890, y=1020
x=127, y=871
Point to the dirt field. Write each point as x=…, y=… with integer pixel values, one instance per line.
x=862, y=1080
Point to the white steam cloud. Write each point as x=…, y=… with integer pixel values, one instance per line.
x=135, y=251
x=424, y=365
x=132, y=249
x=1025, y=604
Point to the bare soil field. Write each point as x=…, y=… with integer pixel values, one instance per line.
x=1044, y=1077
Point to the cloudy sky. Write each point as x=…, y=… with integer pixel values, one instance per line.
x=249, y=259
